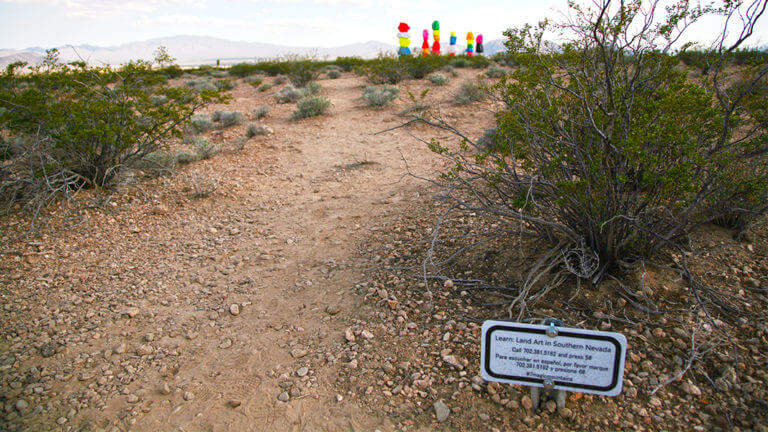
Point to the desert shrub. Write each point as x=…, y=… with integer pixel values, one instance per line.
x=347, y=64
x=244, y=69
x=479, y=62
x=380, y=96
x=384, y=70
x=312, y=88
x=311, y=106
x=301, y=71
x=437, y=78
x=228, y=118
x=202, y=84
x=288, y=94
x=279, y=80
x=256, y=129
x=451, y=70
x=469, y=92
x=185, y=157
x=158, y=162
x=254, y=81
x=459, y=62
x=264, y=87
x=81, y=126
x=333, y=74
x=490, y=141
x=204, y=149
x=622, y=159
x=200, y=123
x=158, y=100
x=219, y=74
x=495, y=72
x=261, y=111
x=224, y=84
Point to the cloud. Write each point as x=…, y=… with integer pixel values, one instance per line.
x=108, y=8
x=176, y=19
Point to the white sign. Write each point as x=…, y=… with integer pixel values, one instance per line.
x=585, y=361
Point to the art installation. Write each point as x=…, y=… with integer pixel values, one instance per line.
x=452, y=46
x=479, y=46
x=470, y=44
x=405, y=39
x=425, y=45
x=436, y=37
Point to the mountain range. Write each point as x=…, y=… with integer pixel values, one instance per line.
x=203, y=50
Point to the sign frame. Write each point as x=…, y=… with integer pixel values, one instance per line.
x=618, y=341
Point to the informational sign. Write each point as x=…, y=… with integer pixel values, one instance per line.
x=568, y=359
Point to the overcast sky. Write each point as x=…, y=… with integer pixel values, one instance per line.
x=322, y=23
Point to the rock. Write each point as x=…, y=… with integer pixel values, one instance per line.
x=149, y=337
x=302, y=371
x=453, y=361
x=339, y=398
x=160, y=209
x=213, y=316
x=131, y=312
x=366, y=334
x=226, y=343
x=132, y=398
x=48, y=349
x=655, y=402
x=527, y=402
x=690, y=389
x=332, y=309
x=21, y=405
x=448, y=284
x=484, y=416
x=349, y=335
x=294, y=392
x=551, y=406
x=751, y=282
x=61, y=420
x=352, y=364
x=121, y=348
x=188, y=395
x=234, y=309
x=145, y=349
x=283, y=397
x=234, y=403
x=565, y=412
x=441, y=411
x=164, y=389
x=298, y=353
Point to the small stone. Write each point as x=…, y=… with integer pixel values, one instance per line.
x=188, y=395
x=349, y=335
x=352, y=364
x=21, y=405
x=234, y=309
x=453, y=361
x=120, y=348
x=298, y=353
x=149, y=337
x=213, y=316
x=332, y=309
x=48, y=349
x=484, y=416
x=234, y=403
x=441, y=411
x=527, y=402
x=302, y=371
x=366, y=334
x=132, y=398
x=226, y=343
x=164, y=389
x=339, y=398
x=283, y=397
x=751, y=282
x=145, y=349
x=551, y=406
x=691, y=389
x=61, y=420
x=131, y=312
x=448, y=284
x=565, y=412
x=655, y=402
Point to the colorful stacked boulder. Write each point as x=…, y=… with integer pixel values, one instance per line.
x=452, y=46
x=436, y=37
x=470, y=44
x=479, y=48
x=404, y=38
x=425, y=45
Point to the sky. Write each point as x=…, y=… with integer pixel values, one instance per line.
x=316, y=23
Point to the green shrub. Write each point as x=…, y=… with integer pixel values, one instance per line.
x=228, y=118
x=288, y=94
x=254, y=129
x=243, y=69
x=264, y=87
x=347, y=64
x=204, y=149
x=312, y=88
x=437, y=78
x=380, y=96
x=158, y=100
x=311, y=106
x=254, y=81
x=384, y=70
x=495, y=72
x=301, y=71
x=333, y=74
x=200, y=123
x=279, y=80
x=224, y=84
x=185, y=157
x=219, y=74
x=202, y=84
x=81, y=125
x=451, y=70
x=469, y=92
x=459, y=62
x=261, y=111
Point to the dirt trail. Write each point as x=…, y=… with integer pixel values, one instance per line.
x=127, y=321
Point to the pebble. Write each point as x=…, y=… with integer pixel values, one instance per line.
x=120, y=348
x=302, y=371
x=165, y=389
x=132, y=398
x=298, y=353
x=441, y=411
x=691, y=389
x=551, y=406
x=234, y=309
x=145, y=349
x=527, y=402
x=453, y=361
x=234, y=403
x=21, y=405
x=349, y=335
x=332, y=309
x=226, y=343
x=366, y=334
x=283, y=397
x=565, y=412
x=61, y=420
x=188, y=396
x=131, y=312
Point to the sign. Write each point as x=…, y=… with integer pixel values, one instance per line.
x=585, y=361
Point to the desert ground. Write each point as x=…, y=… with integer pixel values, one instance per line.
x=290, y=298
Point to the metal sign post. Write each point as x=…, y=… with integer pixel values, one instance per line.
x=554, y=358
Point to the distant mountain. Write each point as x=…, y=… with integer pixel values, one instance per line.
x=494, y=46
x=195, y=51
